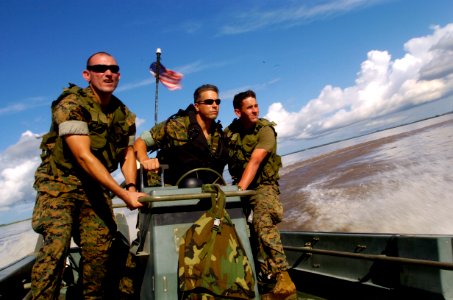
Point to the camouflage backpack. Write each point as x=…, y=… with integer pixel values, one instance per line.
x=212, y=261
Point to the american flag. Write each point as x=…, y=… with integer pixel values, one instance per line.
x=169, y=78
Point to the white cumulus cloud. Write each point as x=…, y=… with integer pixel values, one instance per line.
x=18, y=164
x=383, y=85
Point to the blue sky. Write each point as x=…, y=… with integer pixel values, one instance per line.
x=323, y=70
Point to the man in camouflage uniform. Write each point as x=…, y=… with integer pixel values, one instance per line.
x=254, y=164
x=92, y=132
x=189, y=139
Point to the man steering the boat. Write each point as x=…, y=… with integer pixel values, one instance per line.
x=92, y=132
x=190, y=139
x=254, y=164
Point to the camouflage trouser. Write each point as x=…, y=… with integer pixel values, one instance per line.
x=267, y=213
x=153, y=179
x=91, y=224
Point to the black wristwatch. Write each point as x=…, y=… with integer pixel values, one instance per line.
x=127, y=186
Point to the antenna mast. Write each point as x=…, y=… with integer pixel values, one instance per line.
x=158, y=53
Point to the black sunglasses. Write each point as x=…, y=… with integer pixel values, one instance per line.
x=210, y=101
x=103, y=68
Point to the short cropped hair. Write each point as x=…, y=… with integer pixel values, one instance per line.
x=100, y=52
x=203, y=88
x=238, y=98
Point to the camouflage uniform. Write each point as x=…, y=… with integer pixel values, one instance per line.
x=266, y=206
x=183, y=146
x=71, y=204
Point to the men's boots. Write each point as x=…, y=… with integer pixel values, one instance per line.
x=284, y=286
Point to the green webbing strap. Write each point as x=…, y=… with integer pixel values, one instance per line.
x=216, y=136
x=218, y=210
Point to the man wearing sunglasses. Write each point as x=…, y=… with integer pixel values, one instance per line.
x=254, y=164
x=91, y=134
x=189, y=139
x=192, y=138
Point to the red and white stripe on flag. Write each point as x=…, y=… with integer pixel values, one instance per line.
x=169, y=78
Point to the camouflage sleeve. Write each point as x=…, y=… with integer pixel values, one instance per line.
x=71, y=117
x=266, y=139
x=178, y=128
x=155, y=135
x=174, y=129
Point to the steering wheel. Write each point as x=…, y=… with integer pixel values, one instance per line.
x=198, y=170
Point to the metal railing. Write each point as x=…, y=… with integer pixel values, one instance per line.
x=189, y=196
x=374, y=257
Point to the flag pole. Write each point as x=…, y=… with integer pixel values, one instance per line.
x=158, y=53
x=156, y=97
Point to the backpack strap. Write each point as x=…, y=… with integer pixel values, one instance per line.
x=218, y=210
x=217, y=199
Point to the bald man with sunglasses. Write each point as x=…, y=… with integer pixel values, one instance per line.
x=92, y=133
x=192, y=138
